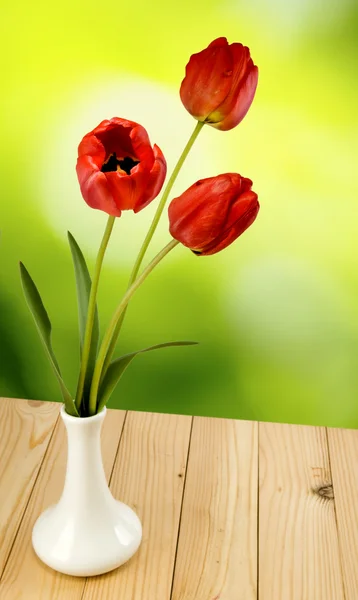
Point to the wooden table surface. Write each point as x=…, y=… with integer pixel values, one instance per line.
x=231, y=510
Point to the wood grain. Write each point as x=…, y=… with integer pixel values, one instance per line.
x=149, y=476
x=299, y=555
x=25, y=576
x=26, y=428
x=343, y=445
x=231, y=510
x=217, y=551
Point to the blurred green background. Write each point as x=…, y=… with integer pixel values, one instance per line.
x=276, y=314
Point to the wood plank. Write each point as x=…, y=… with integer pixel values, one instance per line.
x=343, y=445
x=299, y=555
x=26, y=427
x=25, y=576
x=217, y=551
x=149, y=476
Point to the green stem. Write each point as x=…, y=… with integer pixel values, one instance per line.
x=150, y=234
x=91, y=311
x=163, y=200
x=113, y=323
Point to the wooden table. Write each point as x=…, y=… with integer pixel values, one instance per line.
x=231, y=510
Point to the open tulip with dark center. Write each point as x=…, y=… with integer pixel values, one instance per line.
x=220, y=84
x=213, y=213
x=117, y=167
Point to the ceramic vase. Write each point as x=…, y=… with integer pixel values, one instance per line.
x=88, y=532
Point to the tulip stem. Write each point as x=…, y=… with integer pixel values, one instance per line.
x=150, y=234
x=91, y=312
x=163, y=200
x=113, y=323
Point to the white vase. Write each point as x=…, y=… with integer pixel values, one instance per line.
x=88, y=532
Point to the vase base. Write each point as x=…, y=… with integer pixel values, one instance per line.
x=83, y=546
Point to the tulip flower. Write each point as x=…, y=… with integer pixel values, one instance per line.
x=213, y=212
x=118, y=169
x=220, y=84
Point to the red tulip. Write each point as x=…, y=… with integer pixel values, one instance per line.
x=220, y=84
x=118, y=169
x=213, y=212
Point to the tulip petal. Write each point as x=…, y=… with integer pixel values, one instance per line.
x=220, y=41
x=124, y=189
x=241, y=59
x=241, y=217
x=117, y=139
x=208, y=79
x=242, y=103
x=155, y=181
x=198, y=216
x=141, y=146
x=93, y=147
x=94, y=187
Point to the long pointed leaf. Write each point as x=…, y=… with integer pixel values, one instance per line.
x=83, y=286
x=119, y=365
x=44, y=328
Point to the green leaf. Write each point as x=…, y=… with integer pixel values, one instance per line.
x=83, y=286
x=119, y=365
x=44, y=328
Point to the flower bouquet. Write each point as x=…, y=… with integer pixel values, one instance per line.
x=89, y=532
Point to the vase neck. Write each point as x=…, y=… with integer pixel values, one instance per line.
x=85, y=477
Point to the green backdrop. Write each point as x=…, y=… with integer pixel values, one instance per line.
x=276, y=314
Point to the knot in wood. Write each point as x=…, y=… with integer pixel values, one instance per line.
x=325, y=491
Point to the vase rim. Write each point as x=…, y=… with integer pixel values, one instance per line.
x=97, y=417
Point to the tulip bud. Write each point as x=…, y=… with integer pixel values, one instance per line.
x=213, y=212
x=220, y=84
x=118, y=169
